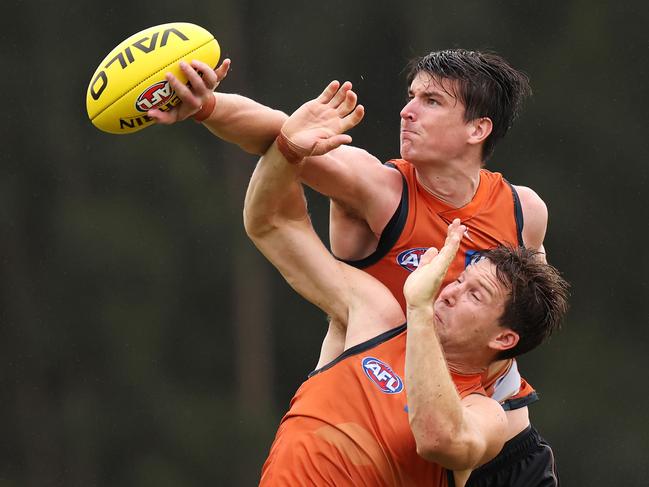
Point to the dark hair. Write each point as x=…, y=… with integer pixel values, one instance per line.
x=538, y=299
x=487, y=86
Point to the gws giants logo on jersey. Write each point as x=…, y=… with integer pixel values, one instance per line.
x=409, y=259
x=154, y=96
x=382, y=375
x=472, y=256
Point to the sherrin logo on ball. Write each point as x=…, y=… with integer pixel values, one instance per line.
x=131, y=78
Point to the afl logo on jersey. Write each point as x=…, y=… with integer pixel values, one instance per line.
x=382, y=375
x=409, y=259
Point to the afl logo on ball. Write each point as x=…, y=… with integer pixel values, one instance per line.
x=409, y=259
x=382, y=375
x=154, y=96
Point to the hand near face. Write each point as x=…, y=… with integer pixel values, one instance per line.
x=318, y=126
x=423, y=284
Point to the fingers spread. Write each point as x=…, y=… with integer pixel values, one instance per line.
x=348, y=103
x=329, y=92
x=208, y=76
x=341, y=95
x=354, y=118
x=325, y=145
x=222, y=71
x=197, y=84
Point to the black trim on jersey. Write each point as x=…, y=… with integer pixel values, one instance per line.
x=391, y=232
x=518, y=213
x=521, y=402
x=361, y=347
x=450, y=478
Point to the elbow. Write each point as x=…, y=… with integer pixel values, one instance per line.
x=257, y=226
x=433, y=445
x=428, y=451
x=445, y=448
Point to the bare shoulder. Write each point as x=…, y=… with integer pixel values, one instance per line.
x=530, y=199
x=535, y=217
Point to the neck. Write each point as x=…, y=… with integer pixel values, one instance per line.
x=455, y=184
x=465, y=363
x=465, y=368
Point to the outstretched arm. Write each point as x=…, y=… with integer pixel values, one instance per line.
x=276, y=219
x=275, y=213
x=233, y=118
x=459, y=434
x=349, y=175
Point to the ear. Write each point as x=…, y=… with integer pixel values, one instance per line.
x=479, y=129
x=504, y=340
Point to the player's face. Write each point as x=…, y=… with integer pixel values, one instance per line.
x=432, y=122
x=468, y=310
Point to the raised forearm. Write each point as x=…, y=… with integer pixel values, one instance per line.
x=276, y=219
x=244, y=122
x=274, y=195
x=458, y=434
x=435, y=411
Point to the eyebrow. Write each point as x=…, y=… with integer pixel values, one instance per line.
x=486, y=285
x=427, y=93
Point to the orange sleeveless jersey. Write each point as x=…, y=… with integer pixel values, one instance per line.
x=348, y=424
x=494, y=216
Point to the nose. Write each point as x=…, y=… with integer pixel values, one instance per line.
x=408, y=112
x=449, y=294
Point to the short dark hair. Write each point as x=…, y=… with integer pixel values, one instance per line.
x=538, y=299
x=488, y=86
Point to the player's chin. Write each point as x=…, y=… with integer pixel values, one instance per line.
x=406, y=150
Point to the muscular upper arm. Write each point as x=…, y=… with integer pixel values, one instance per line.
x=356, y=180
x=276, y=219
x=478, y=437
x=351, y=297
x=535, y=217
x=293, y=247
x=488, y=426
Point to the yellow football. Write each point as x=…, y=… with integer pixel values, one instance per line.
x=131, y=79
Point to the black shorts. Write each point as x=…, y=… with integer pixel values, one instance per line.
x=525, y=461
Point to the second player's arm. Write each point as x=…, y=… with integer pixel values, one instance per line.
x=276, y=219
x=458, y=433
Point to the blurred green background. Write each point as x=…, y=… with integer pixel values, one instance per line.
x=143, y=339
